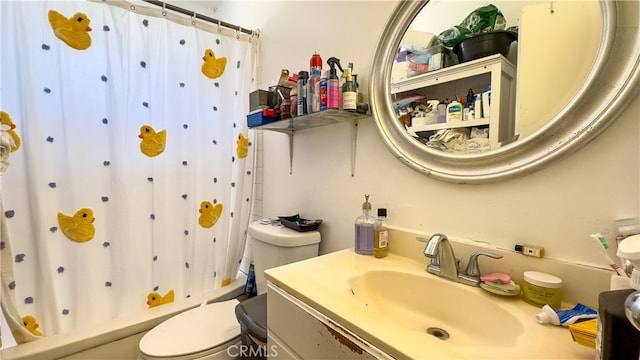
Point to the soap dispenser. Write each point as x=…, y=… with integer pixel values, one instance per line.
x=365, y=230
x=381, y=239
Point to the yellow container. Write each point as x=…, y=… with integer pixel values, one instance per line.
x=541, y=289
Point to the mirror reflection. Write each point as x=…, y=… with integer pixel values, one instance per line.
x=476, y=77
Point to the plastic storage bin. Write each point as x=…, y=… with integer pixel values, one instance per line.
x=252, y=316
x=434, y=58
x=261, y=117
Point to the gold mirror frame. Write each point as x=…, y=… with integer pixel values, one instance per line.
x=611, y=84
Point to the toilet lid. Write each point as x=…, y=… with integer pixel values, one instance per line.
x=193, y=331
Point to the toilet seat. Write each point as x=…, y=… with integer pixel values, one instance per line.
x=193, y=333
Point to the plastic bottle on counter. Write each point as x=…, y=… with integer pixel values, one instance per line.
x=365, y=230
x=349, y=93
x=303, y=76
x=381, y=239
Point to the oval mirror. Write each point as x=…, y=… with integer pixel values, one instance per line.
x=534, y=138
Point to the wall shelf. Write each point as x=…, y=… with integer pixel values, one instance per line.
x=290, y=126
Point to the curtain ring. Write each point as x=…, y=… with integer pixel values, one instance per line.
x=238, y=32
x=252, y=35
x=164, y=9
x=193, y=19
x=219, y=28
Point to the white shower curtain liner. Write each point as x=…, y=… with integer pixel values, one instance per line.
x=132, y=183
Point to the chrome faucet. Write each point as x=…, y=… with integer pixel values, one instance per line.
x=444, y=262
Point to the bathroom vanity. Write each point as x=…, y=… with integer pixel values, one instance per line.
x=344, y=305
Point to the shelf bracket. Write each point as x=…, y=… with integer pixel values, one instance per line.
x=290, y=134
x=354, y=143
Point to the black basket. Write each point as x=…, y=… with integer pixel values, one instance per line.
x=298, y=224
x=485, y=44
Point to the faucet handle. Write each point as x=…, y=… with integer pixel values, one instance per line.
x=473, y=269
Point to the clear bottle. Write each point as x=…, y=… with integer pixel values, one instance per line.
x=349, y=93
x=381, y=242
x=313, y=91
x=365, y=230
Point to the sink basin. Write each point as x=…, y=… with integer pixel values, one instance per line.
x=458, y=314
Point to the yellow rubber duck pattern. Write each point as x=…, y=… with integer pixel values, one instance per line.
x=74, y=31
x=31, y=324
x=79, y=227
x=155, y=299
x=153, y=143
x=5, y=119
x=242, y=148
x=213, y=67
x=209, y=214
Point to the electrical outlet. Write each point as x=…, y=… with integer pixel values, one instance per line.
x=530, y=250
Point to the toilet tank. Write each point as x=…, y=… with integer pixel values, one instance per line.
x=274, y=245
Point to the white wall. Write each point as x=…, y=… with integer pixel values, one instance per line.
x=556, y=207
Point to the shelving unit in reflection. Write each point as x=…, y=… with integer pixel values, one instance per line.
x=495, y=71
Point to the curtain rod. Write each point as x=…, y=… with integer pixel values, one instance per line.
x=197, y=15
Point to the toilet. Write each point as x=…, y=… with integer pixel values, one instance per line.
x=190, y=336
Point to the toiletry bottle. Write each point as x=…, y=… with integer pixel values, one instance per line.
x=250, y=286
x=442, y=112
x=454, y=110
x=333, y=84
x=381, y=244
x=293, y=98
x=365, y=230
x=349, y=93
x=313, y=84
x=323, y=90
x=313, y=91
x=477, y=107
x=486, y=102
x=303, y=76
x=343, y=79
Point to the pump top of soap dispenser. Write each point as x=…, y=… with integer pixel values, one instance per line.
x=366, y=205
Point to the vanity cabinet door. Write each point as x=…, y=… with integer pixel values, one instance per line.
x=297, y=331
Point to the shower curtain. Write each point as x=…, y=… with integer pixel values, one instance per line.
x=131, y=185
